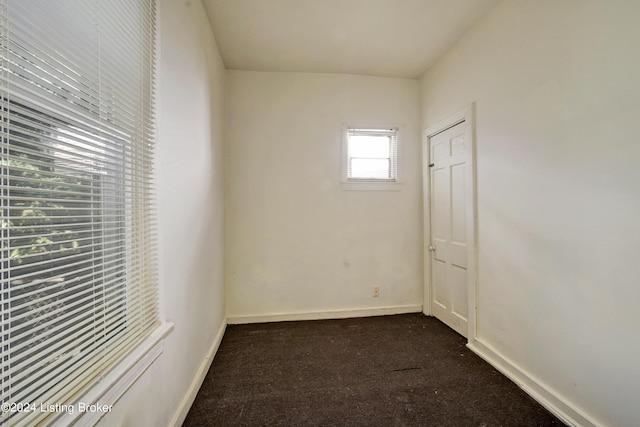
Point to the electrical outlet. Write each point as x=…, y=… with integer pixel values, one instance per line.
x=376, y=291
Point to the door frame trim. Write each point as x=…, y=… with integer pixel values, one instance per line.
x=467, y=116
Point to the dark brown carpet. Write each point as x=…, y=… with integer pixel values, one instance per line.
x=406, y=370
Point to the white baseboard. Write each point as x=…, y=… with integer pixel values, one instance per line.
x=186, y=403
x=534, y=388
x=318, y=315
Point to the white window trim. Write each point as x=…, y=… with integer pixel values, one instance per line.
x=372, y=184
x=109, y=387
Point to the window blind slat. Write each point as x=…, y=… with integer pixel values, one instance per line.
x=92, y=364
x=59, y=291
x=82, y=334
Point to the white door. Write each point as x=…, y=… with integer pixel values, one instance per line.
x=449, y=169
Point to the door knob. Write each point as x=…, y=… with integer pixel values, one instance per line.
x=432, y=248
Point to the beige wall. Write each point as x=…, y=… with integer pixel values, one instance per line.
x=556, y=89
x=190, y=202
x=296, y=242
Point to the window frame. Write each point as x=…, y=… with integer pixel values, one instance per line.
x=372, y=184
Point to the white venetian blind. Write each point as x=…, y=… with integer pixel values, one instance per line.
x=372, y=154
x=78, y=284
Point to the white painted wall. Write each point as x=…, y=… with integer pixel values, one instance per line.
x=295, y=241
x=557, y=91
x=190, y=199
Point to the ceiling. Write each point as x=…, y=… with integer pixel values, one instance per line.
x=391, y=38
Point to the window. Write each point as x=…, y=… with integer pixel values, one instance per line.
x=370, y=157
x=78, y=281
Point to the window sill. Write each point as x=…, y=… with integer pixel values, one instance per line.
x=372, y=186
x=108, y=388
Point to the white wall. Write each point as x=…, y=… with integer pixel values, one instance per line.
x=190, y=199
x=557, y=90
x=296, y=242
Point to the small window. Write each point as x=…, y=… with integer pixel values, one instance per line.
x=372, y=155
x=370, y=158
